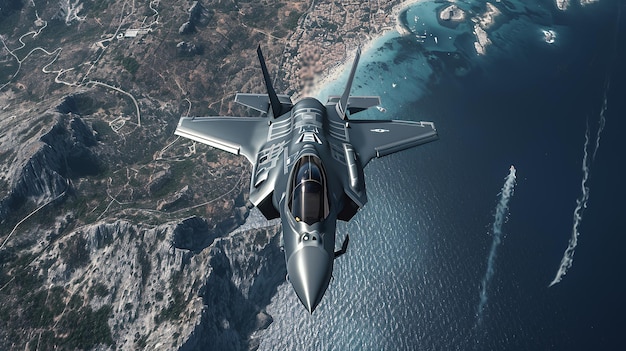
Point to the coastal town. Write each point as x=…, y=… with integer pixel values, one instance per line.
x=328, y=34
x=117, y=234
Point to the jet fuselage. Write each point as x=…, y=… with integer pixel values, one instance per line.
x=309, y=204
x=308, y=160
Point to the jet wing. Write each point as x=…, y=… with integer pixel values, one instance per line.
x=237, y=135
x=372, y=138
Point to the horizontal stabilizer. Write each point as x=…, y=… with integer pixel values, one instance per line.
x=357, y=103
x=261, y=102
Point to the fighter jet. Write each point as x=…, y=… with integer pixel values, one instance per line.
x=308, y=161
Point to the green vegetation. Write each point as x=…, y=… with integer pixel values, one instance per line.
x=7, y=70
x=76, y=204
x=76, y=301
x=182, y=168
x=84, y=104
x=225, y=6
x=134, y=182
x=9, y=23
x=4, y=188
x=129, y=63
x=331, y=27
x=57, y=30
x=93, y=7
x=175, y=308
x=141, y=342
x=292, y=21
x=87, y=328
x=280, y=33
x=76, y=252
x=56, y=300
x=178, y=170
x=144, y=262
x=78, y=328
x=37, y=311
x=34, y=315
x=99, y=290
x=102, y=128
x=211, y=155
x=4, y=156
x=177, y=302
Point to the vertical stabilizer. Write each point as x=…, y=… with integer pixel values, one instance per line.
x=343, y=102
x=274, y=101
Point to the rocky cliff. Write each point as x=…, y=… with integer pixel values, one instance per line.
x=42, y=165
x=69, y=282
x=180, y=285
x=114, y=233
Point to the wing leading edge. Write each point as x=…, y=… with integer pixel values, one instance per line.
x=237, y=135
x=373, y=138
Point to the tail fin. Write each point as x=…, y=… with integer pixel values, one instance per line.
x=274, y=101
x=343, y=102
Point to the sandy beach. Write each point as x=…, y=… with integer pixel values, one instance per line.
x=333, y=70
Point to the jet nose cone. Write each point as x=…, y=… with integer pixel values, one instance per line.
x=309, y=272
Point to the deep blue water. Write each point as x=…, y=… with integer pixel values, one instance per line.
x=418, y=250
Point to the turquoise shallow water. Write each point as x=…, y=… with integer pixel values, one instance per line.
x=396, y=83
x=418, y=252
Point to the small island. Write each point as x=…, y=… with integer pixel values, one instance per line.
x=450, y=16
x=549, y=36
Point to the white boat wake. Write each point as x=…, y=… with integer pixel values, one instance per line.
x=602, y=121
x=500, y=216
x=581, y=203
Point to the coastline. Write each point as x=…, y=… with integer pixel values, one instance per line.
x=332, y=71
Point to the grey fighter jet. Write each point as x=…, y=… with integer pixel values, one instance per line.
x=308, y=161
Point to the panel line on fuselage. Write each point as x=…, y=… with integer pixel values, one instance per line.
x=279, y=129
x=338, y=131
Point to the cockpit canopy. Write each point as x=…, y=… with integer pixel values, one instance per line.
x=308, y=200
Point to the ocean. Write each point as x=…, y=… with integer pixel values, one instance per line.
x=451, y=252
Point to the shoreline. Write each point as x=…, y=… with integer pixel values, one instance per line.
x=334, y=71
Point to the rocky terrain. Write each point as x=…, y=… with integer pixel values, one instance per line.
x=114, y=233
